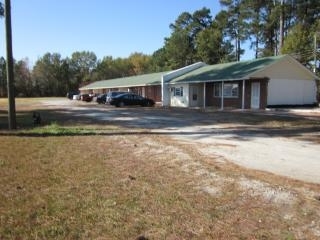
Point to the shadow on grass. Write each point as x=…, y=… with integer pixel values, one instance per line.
x=98, y=121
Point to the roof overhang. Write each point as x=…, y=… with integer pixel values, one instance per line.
x=206, y=81
x=120, y=86
x=218, y=80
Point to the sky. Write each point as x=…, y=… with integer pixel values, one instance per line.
x=114, y=28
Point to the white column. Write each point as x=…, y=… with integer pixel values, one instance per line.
x=162, y=91
x=243, y=92
x=222, y=97
x=204, y=95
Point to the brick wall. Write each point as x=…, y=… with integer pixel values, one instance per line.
x=237, y=102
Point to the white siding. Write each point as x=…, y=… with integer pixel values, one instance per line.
x=165, y=93
x=165, y=87
x=178, y=101
x=290, y=83
x=291, y=92
x=288, y=68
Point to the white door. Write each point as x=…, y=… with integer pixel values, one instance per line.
x=255, y=95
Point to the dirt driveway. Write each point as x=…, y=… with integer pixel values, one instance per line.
x=284, y=143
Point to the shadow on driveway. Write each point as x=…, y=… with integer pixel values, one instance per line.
x=175, y=121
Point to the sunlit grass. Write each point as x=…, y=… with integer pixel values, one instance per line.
x=56, y=129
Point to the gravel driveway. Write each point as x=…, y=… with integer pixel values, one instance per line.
x=237, y=142
x=277, y=154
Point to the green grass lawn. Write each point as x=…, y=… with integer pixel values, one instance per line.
x=94, y=182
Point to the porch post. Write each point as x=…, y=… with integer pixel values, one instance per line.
x=243, y=92
x=162, y=91
x=222, y=96
x=204, y=95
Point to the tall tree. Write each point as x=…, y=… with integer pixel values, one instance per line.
x=23, y=82
x=281, y=24
x=3, y=77
x=201, y=20
x=300, y=43
x=1, y=10
x=82, y=65
x=123, y=67
x=140, y=62
x=237, y=26
x=306, y=12
x=256, y=21
x=283, y=10
x=180, y=47
x=212, y=46
x=109, y=68
x=50, y=75
x=300, y=20
x=159, y=61
x=269, y=36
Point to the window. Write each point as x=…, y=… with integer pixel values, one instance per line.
x=178, y=91
x=230, y=90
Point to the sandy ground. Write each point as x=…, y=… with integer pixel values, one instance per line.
x=287, y=157
x=280, y=155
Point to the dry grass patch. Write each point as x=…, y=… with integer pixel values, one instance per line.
x=103, y=182
x=117, y=187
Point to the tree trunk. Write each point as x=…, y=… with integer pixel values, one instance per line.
x=10, y=76
x=281, y=27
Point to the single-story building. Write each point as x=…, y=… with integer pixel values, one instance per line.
x=145, y=85
x=254, y=84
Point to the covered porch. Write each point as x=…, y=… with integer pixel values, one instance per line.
x=228, y=94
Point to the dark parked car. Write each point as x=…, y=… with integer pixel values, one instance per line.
x=128, y=99
x=111, y=95
x=101, y=99
x=86, y=97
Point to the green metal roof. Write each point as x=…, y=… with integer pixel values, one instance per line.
x=209, y=73
x=133, y=81
x=226, y=71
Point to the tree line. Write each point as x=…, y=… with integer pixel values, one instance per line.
x=53, y=75
x=271, y=27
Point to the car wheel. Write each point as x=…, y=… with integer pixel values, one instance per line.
x=121, y=104
x=149, y=104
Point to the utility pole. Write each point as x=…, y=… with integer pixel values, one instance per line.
x=10, y=76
